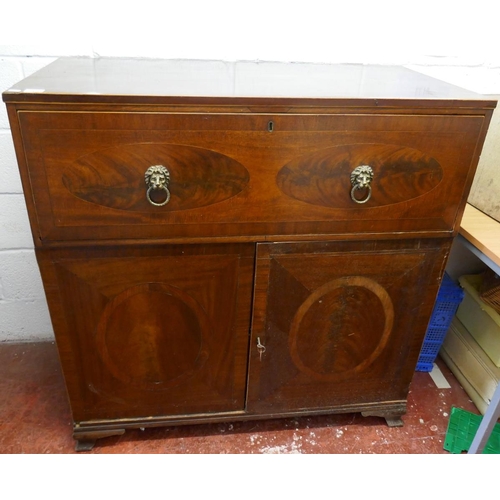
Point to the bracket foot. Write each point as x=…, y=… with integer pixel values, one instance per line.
x=85, y=440
x=392, y=419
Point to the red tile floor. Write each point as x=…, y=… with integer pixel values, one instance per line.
x=35, y=419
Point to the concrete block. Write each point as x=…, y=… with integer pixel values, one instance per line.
x=32, y=64
x=10, y=73
x=11, y=181
x=480, y=79
x=15, y=232
x=19, y=276
x=23, y=321
x=48, y=49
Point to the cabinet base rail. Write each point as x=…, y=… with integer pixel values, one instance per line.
x=87, y=433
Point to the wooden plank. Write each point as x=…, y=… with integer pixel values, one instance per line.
x=482, y=231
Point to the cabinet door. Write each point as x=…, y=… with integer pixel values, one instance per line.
x=151, y=332
x=341, y=324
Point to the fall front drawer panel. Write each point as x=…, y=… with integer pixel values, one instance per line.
x=245, y=175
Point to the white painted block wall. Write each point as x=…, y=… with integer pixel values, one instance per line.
x=438, y=38
x=23, y=309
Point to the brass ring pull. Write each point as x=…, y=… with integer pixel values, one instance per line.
x=157, y=178
x=361, y=178
x=164, y=202
x=363, y=200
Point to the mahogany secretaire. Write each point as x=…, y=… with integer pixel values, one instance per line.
x=223, y=241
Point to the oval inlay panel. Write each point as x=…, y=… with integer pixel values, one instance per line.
x=152, y=335
x=323, y=177
x=114, y=177
x=341, y=328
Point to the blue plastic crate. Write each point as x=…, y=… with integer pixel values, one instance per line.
x=449, y=297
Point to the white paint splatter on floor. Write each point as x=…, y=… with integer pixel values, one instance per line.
x=285, y=448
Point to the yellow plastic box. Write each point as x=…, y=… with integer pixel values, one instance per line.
x=481, y=320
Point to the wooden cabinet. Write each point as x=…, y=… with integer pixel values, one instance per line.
x=260, y=242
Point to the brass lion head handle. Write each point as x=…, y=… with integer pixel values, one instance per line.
x=361, y=178
x=157, y=178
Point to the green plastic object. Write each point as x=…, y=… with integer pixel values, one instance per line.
x=462, y=428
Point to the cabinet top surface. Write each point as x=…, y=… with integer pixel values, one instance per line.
x=185, y=81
